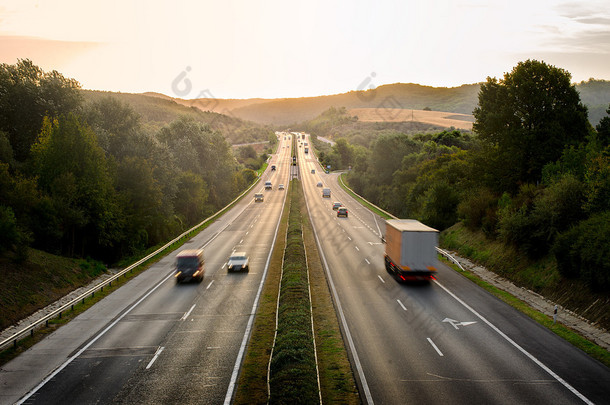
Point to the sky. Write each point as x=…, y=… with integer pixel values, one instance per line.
x=284, y=48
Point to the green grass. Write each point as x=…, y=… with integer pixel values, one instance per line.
x=293, y=377
x=539, y=276
x=362, y=200
x=337, y=383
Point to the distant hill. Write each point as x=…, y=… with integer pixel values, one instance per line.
x=461, y=100
x=158, y=110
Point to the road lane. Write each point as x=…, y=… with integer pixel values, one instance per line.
x=194, y=355
x=400, y=348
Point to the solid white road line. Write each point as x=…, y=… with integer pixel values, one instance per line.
x=157, y=353
x=350, y=341
x=435, y=348
x=91, y=342
x=244, y=342
x=186, y=315
x=522, y=350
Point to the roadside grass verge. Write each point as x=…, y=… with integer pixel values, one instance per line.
x=457, y=239
x=362, y=201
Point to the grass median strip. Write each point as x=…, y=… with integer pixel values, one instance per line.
x=293, y=368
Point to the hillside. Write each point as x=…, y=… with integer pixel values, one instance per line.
x=158, y=110
x=595, y=94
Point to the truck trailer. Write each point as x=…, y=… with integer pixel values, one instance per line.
x=410, y=251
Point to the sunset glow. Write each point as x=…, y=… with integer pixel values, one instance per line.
x=241, y=49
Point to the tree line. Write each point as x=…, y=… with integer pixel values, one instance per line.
x=90, y=179
x=534, y=173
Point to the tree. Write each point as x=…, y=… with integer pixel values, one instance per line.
x=72, y=169
x=27, y=95
x=116, y=125
x=191, y=198
x=603, y=130
x=526, y=120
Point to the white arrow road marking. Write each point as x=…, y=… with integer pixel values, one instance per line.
x=456, y=324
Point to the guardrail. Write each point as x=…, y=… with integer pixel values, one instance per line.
x=91, y=292
x=439, y=250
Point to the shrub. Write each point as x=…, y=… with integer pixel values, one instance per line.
x=584, y=250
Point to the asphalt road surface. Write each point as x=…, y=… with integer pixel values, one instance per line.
x=447, y=341
x=166, y=342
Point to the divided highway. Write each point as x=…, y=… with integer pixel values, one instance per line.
x=444, y=342
x=448, y=341
x=155, y=341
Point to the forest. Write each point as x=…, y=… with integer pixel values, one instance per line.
x=85, y=175
x=534, y=174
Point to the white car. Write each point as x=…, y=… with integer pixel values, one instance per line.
x=280, y=187
x=238, y=262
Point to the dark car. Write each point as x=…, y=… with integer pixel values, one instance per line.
x=342, y=212
x=189, y=266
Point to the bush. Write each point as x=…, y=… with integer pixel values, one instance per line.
x=478, y=210
x=583, y=251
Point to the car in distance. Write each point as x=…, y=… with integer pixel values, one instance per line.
x=280, y=187
x=272, y=167
x=268, y=185
x=336, y=205
x=238, y=261
x=258, y=197
x=326, y=193
x=320, y=184
x=189, y=265
x=342, y=212
x=313, y=171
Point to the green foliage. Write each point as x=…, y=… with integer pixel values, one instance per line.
x=27, y=95
x=293, y=365
x=440, y=206
x=71, y=168
x=583, y=251
x=191, y=198
x=477, y=210
x=526, y=120
x=597, y=180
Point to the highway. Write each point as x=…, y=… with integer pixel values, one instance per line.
x=448, y=341
x=155, y=341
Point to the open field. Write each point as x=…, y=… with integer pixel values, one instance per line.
x=440, y=118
